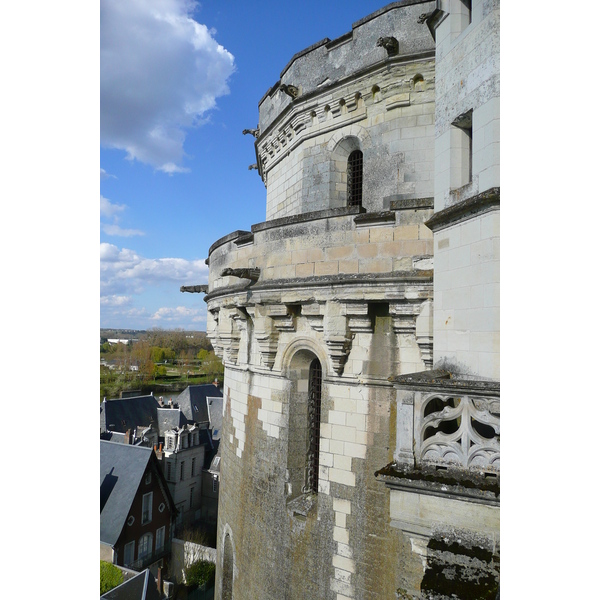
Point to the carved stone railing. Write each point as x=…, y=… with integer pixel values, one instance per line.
x=462, y=430
x=446, y=419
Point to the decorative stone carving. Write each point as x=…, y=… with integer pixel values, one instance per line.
x=425, y=343
x=253, y=132
x=337, y=335
x=404, y=317
x=266, y=335
x=314, y=315
x=359, y=320
x=283, y=319
x=462, y=430
x=229, y=335
x=252, y=273
x=291, y=90
x=390, y=44
x=194, y=289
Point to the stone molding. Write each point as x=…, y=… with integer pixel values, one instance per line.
x=467, y=209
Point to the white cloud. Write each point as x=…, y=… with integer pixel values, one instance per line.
x=123, y=271
x=160, y=72
x=112, y=211
x=178, y=314
x=115, y=230
x=108, y=209
x=115, y=300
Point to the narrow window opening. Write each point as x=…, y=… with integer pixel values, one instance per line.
x=355, y=178
x=315, y=379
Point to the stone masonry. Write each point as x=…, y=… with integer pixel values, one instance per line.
x=317, y=310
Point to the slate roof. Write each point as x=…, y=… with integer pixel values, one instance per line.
x=121, y=469
x=127, y=413
x=141, y=587
x=215, y=413
x=169, y=418
x=193, y=401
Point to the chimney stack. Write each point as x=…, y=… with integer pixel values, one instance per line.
x=159, y=581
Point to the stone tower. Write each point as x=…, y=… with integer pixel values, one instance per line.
x=320, y=311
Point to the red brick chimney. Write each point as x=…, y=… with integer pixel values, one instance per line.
x=159, y=581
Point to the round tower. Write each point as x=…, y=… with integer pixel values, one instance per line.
x=315, y=309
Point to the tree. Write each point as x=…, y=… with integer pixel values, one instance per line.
x=110, y=577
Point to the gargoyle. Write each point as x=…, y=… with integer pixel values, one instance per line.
x=194, y=289
x=252, y=167
x=423, y=17
x=254, y=132
x=389, y=43
x=253, y=273
x=291, y=90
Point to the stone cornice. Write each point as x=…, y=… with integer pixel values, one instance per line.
x=468, y=485
x=440, y=380
x=479, y=204
x=305, y=217
x=415, y=277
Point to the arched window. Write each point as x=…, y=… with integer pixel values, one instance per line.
x=315, y=378
x=355, y=178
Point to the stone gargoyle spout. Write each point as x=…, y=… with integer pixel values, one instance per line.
x=194, y=289
x=253, y=273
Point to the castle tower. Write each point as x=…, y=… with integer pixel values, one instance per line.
x=318, y=309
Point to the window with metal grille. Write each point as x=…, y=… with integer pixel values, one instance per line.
x=315, y=378
x=355, y=178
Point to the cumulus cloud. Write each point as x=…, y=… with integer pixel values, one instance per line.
x=160, y=73
x=123, y=271
x=113, y=211
x=108, y=209
x=177, y=314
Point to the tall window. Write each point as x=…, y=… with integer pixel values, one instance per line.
x=181, y=471
x=355, y=178
x=315, y=378
x=128, y=557
x=193, y=466
x=168, y=471
x=160, y=539
x=145, y=547
x=146, y=508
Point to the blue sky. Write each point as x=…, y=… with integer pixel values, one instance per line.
x=179, y=82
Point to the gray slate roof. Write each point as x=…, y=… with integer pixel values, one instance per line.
x=169, y=418
x=141, y=587
x=193, y=401
x=121, y=469
x=127, y=413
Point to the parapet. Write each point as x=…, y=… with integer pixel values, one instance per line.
x=390, y=33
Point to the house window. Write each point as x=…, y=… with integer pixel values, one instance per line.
x=146, y=508
x=193, y=466
x=145, y=547
x=169, y=467
x=215, y=486
x=191, y=497
x=129, y=553
x=181, y=472
x=315, y=378
x=148, y=478
x=355, y=178
x=160, y=539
